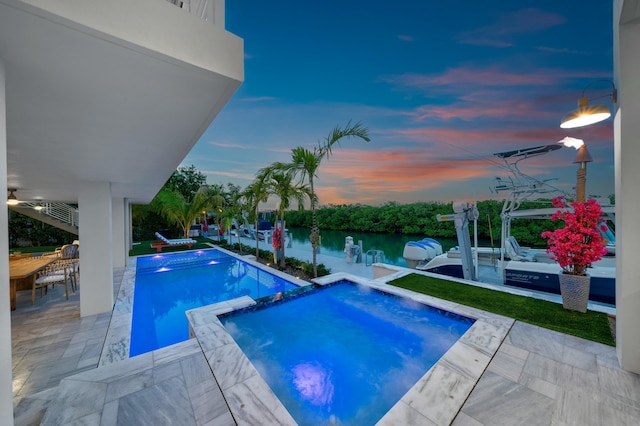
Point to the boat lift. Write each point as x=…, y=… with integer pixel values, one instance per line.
x=462, y=213
x=521, y=187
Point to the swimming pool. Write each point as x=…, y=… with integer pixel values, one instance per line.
x=344, y=354
x=166, y=285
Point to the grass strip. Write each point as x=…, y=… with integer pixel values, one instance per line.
x=41, y=249
x=145, y=247
x=591, y=325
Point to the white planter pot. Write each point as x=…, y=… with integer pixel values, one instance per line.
x=575, y=292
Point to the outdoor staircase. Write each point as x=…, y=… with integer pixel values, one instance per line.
x=60, y=215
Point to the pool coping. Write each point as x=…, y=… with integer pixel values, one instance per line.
x=435, y=399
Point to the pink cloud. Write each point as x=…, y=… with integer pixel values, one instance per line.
x=244, y=147
x=500, y=33
x=228, y=174
x=448, y=157
x=226, y=144
x=560, y=50
x=401, y=171
x=258, y=99
x=459, y=79
x=469, y=111
x=458, y=96
x=489, y=76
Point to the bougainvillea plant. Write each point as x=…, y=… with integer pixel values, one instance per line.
x=579, y=243
x=276, y=239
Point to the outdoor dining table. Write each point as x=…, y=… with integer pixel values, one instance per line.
x=25, y=268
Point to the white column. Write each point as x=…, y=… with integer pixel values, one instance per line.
x=119, y=229
x=128, y=230
x=96, y=254
x=6, y=389
x=627, y=158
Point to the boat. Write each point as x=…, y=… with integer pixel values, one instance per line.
x=263, y=233
x=510, y=264
x=421, y=252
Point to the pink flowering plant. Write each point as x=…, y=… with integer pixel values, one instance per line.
x=579, y=243
x=276, y=239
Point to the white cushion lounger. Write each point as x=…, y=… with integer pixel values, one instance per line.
x=165, y=242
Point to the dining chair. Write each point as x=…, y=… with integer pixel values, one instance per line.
x=69, y=251
x=71, y=268
x=53, y=274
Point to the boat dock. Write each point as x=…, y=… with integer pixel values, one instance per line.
x=361, y=269
x=335, y=264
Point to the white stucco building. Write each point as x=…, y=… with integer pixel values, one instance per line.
x=100, y=101
x=626, y=44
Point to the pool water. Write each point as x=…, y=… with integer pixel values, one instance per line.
x=344, y=354
x=169, y=284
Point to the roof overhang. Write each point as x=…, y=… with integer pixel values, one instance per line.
x=124, y=106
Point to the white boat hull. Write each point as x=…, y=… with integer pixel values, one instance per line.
x=540, y=274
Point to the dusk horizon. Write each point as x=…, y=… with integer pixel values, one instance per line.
x=440, y=91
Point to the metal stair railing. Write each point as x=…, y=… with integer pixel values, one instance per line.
x=59, y=211
x=377, y=256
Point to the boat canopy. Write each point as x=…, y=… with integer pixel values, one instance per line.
x=528, y=152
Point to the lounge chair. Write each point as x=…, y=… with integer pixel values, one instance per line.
x=515, y=252
x=165, y=242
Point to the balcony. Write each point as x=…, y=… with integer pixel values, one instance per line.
x=115, y=91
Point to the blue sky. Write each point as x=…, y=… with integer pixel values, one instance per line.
x=440, y=86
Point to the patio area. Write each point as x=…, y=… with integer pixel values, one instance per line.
x=535, y=377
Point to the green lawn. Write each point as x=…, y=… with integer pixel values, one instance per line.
x=42, y=249
x=145, y=247
x=590, y=325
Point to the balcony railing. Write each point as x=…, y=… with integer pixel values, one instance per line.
x=208, y=10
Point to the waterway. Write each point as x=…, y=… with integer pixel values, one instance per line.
x=391, y=244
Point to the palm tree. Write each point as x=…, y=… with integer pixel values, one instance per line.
x=218, y=201
x=232, y=213
x=175, y=208
x=256, y=193
x=228, y=217
x=305, y=163
x=281, y=183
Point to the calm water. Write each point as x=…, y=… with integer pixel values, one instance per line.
x=344, y=354
x=169, y=284
x=391, y=244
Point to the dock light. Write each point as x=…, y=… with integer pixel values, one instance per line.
x=589, y=114
x=12, y=200
x=582, y=157
x=38, y=206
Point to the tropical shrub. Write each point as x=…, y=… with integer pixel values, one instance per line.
x=579, y=243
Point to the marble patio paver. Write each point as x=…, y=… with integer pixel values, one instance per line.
x=533, y=376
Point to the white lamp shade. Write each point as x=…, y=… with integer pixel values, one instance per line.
x=12, y=200
x=585, y=115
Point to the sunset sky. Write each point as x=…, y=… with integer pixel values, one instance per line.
x=440, y=86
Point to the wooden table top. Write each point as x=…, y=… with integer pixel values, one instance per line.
x=22, y=268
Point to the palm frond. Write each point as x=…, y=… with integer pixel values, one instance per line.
x=338, y=133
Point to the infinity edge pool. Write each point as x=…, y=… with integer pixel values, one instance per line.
x=118, y=340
